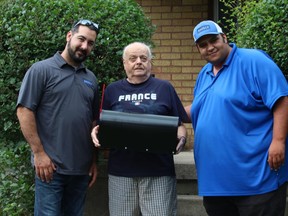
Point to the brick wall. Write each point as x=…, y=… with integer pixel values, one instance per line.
x=176, y=57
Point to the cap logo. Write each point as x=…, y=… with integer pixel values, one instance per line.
x=203, y=28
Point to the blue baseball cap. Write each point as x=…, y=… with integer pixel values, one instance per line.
x=205, y=28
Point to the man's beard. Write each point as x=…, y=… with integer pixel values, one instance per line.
x=73, y=55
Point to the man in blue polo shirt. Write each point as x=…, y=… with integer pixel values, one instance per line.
x=57, y=108
x=240, y=119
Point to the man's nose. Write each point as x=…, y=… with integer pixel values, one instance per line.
x=210, y=45
x=84, y=45
x=138, y=60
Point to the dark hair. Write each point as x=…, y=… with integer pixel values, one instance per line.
x=76, y=28
x=84, y=22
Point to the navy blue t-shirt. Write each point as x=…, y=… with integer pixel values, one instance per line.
x=153, y=96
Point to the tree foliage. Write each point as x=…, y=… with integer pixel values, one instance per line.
x=16, y=181
x=260, y=24
x=33, y=30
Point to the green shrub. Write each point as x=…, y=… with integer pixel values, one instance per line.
x=16, y=181
x=260, y=24
x=33, y=30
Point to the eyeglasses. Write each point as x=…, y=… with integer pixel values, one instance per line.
x=86, y=22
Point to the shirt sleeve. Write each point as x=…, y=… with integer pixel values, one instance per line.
x=32, y=87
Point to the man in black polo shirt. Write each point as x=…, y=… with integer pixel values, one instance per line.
x=57, y=107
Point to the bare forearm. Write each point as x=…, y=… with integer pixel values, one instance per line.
x=187, y=109
x=280, y=114
x=181, y=131
x=28, y=126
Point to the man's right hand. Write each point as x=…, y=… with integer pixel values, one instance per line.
x=44, y=167
x=94, y=133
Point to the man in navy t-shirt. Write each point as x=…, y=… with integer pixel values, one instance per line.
x=142, y=183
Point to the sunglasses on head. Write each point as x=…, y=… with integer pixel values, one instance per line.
x=88, y=23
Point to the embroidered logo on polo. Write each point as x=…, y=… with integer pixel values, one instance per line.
x=88, y=83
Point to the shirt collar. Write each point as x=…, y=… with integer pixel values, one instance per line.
x=228, y=60
x=61, y=62
x=231, y=54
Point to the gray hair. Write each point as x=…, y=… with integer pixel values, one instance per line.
x=150, y=56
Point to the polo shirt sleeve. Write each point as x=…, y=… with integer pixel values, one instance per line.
x=32, y=87
x=269, y=79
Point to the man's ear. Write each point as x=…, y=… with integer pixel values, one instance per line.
x=68, y=36
x=224, y=38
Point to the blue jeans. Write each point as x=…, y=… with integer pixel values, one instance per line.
x=63, y=196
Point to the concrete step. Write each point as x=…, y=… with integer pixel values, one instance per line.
x=189, y=203
x=185, y=173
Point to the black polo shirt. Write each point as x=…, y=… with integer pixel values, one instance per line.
x=65, y=102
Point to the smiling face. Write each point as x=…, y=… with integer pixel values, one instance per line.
x=214, y=48
x=79, y=45
x=137, y=62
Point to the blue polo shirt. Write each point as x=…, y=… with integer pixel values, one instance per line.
x=65, y=102
x=233, y=120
